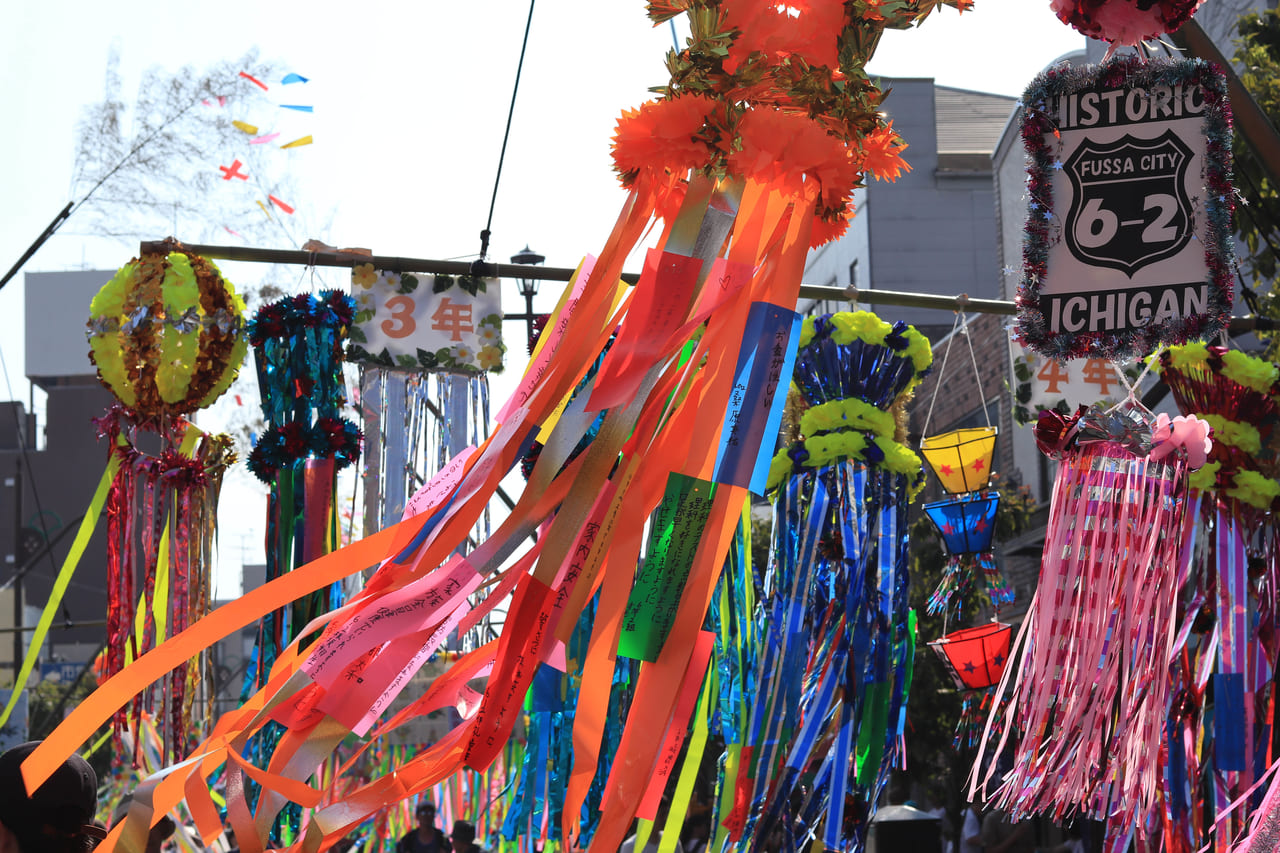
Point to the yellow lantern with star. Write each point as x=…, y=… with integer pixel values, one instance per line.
x=961, y=459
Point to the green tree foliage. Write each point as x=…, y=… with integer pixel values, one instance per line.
x=1258, y=218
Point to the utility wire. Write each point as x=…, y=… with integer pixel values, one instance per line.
x=493, y=200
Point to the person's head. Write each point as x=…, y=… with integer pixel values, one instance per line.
x=58, y=816
x=464, y=833
x=426, y=815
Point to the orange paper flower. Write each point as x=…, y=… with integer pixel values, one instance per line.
x=807, y=28
x=658, y=138
x=828, y=228
x=882, y=153
x=786, y=149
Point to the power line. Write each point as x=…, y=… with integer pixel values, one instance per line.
x=493, y=200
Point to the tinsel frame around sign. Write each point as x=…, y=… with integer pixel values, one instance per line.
x=1038, y=124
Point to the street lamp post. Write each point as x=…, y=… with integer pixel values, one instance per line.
x=528, y=286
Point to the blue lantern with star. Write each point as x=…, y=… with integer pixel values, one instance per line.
x=966, y=523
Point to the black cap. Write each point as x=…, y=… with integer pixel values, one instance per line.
x=63, y=804
x=424, y=808
x=463, y=831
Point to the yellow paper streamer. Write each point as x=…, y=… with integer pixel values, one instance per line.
x=60, y=585
x=251, y=129
x=298, y=143
x=692, y=763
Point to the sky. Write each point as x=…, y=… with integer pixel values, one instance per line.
x=410, y=101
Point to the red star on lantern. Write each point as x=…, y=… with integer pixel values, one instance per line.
x=977, y=464
x=948, y=529
x=980, y=525
x=946, y=470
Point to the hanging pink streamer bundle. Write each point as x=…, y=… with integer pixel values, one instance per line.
x=1090, y=693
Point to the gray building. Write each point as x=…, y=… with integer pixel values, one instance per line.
x=49, y=473
x=933, y=230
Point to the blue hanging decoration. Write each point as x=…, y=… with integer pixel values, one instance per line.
x=967, y=524
x=298, y=347
x=833, y=637
x=534, y=813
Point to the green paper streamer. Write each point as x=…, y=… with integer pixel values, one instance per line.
x=674, y=534
x=875, y=722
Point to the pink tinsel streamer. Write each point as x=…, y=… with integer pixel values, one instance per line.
x=1091, y=691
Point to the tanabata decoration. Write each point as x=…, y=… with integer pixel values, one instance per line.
x=1090, y=696
x=749, y=156
x=298, y=351
x=961, y=459
x=975, y=658
x=837, y=639
x=967, y=524
x=166, y=333
x=1127, y=242
x=306, y=441
x=1221, y=711
x=426, y=346
x=1125, y=22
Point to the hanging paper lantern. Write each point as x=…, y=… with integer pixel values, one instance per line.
x=966, y=524
x=166, y=333
x=975, y=656
x=1125, y=21
x=961, y=458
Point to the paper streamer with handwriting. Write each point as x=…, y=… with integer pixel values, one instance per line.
x=763, y=375
x=674, y=534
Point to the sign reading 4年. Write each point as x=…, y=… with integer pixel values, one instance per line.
x=423, y=322
x=1129, y=212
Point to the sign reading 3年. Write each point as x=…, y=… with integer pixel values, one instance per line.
x=421, y=322
x=1129, y=208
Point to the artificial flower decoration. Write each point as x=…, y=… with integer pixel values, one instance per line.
x=1238, y=396
x=790, y=87
x=812, y=31
x=1125, y=22
x=658, y=138
x=1183, y=432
